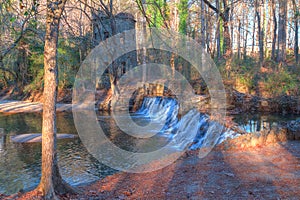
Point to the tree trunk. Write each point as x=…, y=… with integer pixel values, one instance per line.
x=202, y=25
x=296, y=22
x=296, y=45
x=246, y=38
x=227, y=39
x=231, y=19
x=253, y=35
x=225, y=17
x=282, y=31
x=260, y=33
x=239, y=39
x=208, y=34
x=51, y=181
x=274, y=30
x=218, y=32
x=265, y=34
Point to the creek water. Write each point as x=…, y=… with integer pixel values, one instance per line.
x=20, y=164
x=259, y=121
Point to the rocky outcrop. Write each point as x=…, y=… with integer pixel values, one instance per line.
x=293, y=130
x=265, y=137
x=279, y=134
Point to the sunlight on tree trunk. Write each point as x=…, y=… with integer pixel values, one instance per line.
x=51, y=181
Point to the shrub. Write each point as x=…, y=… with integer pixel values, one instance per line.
x=282, y=83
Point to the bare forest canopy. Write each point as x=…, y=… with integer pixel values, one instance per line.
x=255, y=43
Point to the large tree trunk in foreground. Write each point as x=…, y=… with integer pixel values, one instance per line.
x=51, y=181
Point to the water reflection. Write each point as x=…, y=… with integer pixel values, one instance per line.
x=20, y=164
x=1, y=139
x=258, y=122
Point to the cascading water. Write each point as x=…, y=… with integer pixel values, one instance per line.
x=196, y=129
x=159, y=110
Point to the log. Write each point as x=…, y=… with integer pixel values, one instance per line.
x=37, y=137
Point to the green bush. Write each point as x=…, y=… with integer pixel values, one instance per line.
x=37, y=84
x=282, y=82
x=68, y=63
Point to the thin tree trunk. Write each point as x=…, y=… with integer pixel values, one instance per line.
x=253, y=35
x=227, y=39
x=265, y=30
x=231, y=23
x=260, y=33
x=296, y=46
x=282, y=31
x=296, y=22
x=225, y=17
x=208, y=34
x=239, y=39
x=246, y=38
x=218, y=32
x=274, y=30
x=202, y=25
x=51, y=181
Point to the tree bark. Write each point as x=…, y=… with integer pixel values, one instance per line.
x=253, y=35
x=282, y=31
x=231, y=19
x=218, y=32
x=246, y=38
x=202, y=25
x=296, y=22
x=225, y=17
x=51, y=181
x=260, y=32
x=274, y=30
x=239, y=39
x=227, y=38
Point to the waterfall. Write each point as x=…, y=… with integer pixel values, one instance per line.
x=160, y=109
x=193, y=130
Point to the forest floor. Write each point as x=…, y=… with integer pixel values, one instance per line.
x=268, y=172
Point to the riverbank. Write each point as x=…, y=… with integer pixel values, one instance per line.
x=12, y=106
x=267, y=172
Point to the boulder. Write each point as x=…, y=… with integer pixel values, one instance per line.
x=293, y=130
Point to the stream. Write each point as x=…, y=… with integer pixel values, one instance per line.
x=20, y=164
